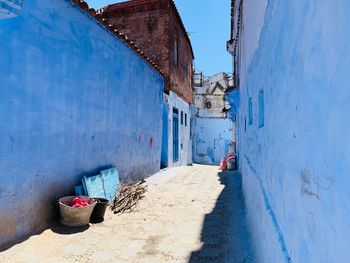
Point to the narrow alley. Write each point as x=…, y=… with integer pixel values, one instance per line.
x=136, y=105
x=190, y=214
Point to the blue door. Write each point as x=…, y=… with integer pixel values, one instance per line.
x=175, y=134
x=164, y=156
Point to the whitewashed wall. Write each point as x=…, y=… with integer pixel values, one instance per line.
x=185, y=153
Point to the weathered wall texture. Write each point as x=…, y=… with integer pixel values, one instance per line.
x=155, y=27
x=74, y=99
x=295, y=166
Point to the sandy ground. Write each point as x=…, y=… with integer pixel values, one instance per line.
x=190, y=214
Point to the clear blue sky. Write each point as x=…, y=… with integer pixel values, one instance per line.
x=208, y=22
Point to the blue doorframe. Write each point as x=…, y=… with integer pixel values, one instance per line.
x=164, y=156
x=175, y=134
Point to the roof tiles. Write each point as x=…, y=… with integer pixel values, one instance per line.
x=84, y=7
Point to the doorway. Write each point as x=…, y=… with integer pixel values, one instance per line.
x=164, y=155
x=175, y=135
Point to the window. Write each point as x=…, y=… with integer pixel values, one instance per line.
x=250, y=111
x=207, y=104
x=261, y=109
x=182, y=118
x=186, y=119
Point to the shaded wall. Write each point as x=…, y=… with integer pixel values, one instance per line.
x=74, y=99
x=295, y=166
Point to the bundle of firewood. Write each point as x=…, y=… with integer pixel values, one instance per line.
x=128, y=197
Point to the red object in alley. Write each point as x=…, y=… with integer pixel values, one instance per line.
x=78, y=202
x=230, y=157
x=223, y=165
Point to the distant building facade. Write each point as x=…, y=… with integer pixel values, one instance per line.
x=209, y=95
x=212, y=130
x=156, y=27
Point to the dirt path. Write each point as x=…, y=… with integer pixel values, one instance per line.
x=189, y=215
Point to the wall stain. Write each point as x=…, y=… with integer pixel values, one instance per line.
x=12, y=139
x=306, y=184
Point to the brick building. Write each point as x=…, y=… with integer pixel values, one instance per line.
x=155, y=26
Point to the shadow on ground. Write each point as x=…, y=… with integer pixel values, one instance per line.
x=225, y=236
x=55, y=226
x=63, y=230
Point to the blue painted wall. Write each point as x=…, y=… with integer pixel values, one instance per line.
x=296, y=167
x=233, y=98
x=74, y=99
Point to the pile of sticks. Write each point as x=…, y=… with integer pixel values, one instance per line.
x=128, y=197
